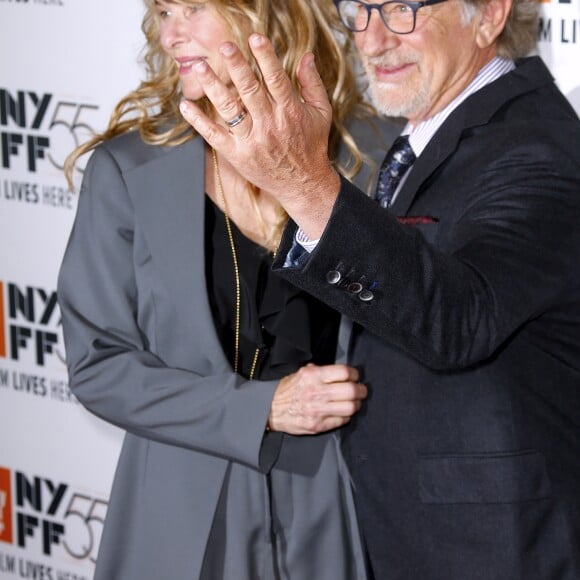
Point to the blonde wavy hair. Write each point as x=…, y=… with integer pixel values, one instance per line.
x=294, y=27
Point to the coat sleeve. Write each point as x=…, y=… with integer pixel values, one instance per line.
x=510, y=254
x=113, y=372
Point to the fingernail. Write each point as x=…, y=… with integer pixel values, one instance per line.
x=256, y=39
x=183, y=107
x=227, y=48
x=201, y=66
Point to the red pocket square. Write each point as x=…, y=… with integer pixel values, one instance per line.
x=414, y=220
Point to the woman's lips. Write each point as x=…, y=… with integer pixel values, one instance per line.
x=186, y=63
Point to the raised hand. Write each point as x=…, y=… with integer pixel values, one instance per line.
x=277, y=138
x=316, y=399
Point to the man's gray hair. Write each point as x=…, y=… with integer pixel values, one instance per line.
x=520, y=34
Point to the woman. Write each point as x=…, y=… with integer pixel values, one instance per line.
x=177, y=332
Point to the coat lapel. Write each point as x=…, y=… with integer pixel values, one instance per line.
x=169, y=197
x=477, y=110
x=439, y=148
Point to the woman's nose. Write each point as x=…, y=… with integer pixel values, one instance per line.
x=173, y=31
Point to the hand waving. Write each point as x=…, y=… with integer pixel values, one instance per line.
x=280, y=144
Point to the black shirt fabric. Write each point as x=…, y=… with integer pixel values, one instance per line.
x=291, y=327
x=285, y=522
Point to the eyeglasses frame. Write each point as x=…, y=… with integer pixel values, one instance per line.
x=414, y=5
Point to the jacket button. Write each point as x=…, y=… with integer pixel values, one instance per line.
x=355, y=287
x=333, y=277
x=366, y=296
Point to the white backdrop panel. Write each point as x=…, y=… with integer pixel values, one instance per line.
x=63, y=66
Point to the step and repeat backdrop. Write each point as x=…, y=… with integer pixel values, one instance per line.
x=64, y=65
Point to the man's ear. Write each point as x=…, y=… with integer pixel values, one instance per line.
x=492, y=18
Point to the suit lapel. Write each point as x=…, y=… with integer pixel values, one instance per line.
x=476, y=110
x=439, y=148
x=169, y=197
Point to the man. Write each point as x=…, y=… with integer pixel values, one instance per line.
x=465, y=290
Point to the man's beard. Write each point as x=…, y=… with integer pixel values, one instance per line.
x=394, y=99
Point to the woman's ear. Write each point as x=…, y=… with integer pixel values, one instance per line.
x=492, y=18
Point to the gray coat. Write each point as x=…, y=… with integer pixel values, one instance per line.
x=143, y=354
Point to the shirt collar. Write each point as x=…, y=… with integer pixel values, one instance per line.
x=420, y=135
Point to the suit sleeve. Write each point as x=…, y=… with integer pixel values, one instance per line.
x=511, y=253
x=113, y=372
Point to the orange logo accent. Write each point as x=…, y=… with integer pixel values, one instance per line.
x=5, y=506
x=2, y=325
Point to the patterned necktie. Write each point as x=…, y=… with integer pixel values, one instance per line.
x=396, y=163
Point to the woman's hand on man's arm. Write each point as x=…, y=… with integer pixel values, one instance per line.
x=316, y=399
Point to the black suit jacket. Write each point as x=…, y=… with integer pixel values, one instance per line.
x=466, y=455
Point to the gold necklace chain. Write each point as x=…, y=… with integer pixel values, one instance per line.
x=236, y=272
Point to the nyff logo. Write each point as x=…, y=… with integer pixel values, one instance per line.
x=29, y=321
x=49, y=515
x=29, y=121
x=42, y=497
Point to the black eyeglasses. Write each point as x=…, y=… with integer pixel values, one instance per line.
x=399, y=16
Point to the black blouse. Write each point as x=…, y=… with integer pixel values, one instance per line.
x=291, y=327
